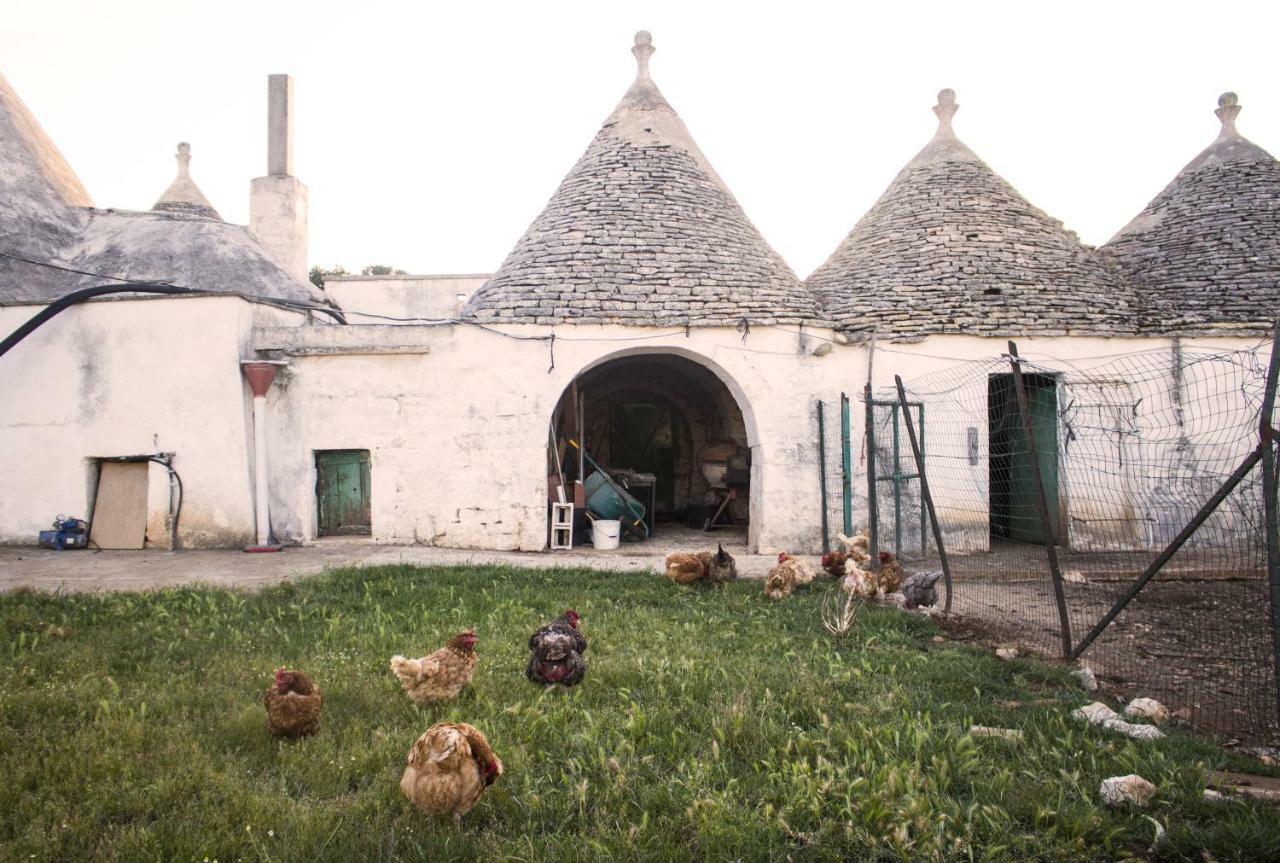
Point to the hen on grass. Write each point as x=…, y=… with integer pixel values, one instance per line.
x=293, y=704
x=555, y=652
x=447, y=770
x=441, y=675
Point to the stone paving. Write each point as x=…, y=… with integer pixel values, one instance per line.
x=80, y=571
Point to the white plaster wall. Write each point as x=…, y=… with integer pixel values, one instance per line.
x=129, y=377
x=421, y=297
x=457, y=436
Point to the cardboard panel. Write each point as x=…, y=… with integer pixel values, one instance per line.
x=120, y=513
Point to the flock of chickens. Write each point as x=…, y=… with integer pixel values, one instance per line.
x=851, y=564
x=452, y=763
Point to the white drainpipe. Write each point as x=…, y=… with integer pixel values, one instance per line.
x=260, y=374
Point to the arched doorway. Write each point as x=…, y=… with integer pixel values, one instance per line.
x=668, y=426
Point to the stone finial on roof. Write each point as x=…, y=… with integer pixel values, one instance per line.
x=643, y=50
x=184, y=159
x=946, y=109
x=945, y=146
x=183, y=195
x=1228, y=110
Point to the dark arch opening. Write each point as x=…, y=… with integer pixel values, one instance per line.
x=665, y=416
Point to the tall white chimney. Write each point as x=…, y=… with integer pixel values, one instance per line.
x=278, y=201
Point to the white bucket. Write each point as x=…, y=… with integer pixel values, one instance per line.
x=606, y=533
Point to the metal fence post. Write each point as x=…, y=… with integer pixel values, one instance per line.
x=822, y=477
x=846, y=466
x=873, y=508
x=918, y=452
x=1268, y=442
x=1042, y=503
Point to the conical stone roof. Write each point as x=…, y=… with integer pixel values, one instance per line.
x=642, y=231
x=1205, y=253
x=40, y=200
x=951, y=247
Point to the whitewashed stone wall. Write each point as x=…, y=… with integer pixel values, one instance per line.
x=457, y=435
x=131, y=377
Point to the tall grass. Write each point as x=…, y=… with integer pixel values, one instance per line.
x=712, y=726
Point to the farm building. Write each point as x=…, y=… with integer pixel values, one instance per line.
x=642, y=315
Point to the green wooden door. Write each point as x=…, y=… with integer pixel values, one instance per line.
x=1015, y=513
x=342, y=489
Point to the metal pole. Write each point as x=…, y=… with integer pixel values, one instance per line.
x=924, y=516
x=897, y=486
x=873, y=508
x=918, y=452
x=822, y=478
x=846, y=466
x=1042, y=503
x=1191, y=527
x=1267, y=444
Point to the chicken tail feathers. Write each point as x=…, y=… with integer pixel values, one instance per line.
x=408, y=671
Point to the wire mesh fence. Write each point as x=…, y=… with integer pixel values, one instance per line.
x=1129, y=449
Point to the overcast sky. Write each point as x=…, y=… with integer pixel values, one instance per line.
x=430, y=134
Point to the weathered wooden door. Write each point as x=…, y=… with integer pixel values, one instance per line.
x=1015, y=513
x=342, y=489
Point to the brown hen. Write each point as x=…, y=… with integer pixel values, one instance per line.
x=293, y=704
x=441, y=675
x=786, y=576
x=448, y=768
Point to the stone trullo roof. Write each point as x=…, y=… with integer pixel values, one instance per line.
x=642, y=231
x=1205, y=253
x=951, y=247
x=40, y=200
x=46, y=217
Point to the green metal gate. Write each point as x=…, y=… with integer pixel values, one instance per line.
x=342, y=491
x=895, y=466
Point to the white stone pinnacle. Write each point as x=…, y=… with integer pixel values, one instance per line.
x=1228, y=110
x=945, y=109
x=643, y=50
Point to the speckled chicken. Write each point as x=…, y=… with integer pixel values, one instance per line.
x=721, y=567
x=441, y=675
x=717, y=567
x=789, y=573
x=448, y=768
x=919, y=590
x=555, y=652
x=293, y=704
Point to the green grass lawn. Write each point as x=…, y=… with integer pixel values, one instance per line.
x=712, y=725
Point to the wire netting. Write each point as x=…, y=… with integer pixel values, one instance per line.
x=1129, y=449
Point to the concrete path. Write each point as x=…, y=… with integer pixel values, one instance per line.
x=145, y=570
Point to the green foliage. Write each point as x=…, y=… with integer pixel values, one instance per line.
x=712, y=725
x=381, y=270
x=318, y=274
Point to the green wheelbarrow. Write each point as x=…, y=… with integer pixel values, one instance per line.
x=606, y=498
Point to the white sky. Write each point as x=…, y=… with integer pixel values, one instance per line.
x=431, y=134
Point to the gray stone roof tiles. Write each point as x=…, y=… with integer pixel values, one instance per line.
x=951, y=247
x=46, y=216
x=1205, y=253
x=642, y=231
